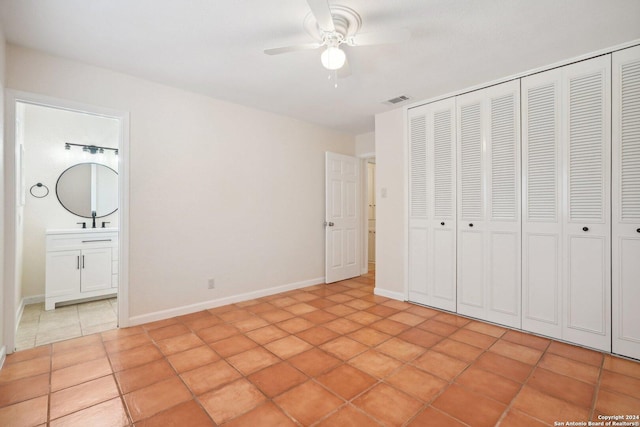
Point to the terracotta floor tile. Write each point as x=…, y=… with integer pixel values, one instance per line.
x=439, y=328
x=82, y=396
x=231, y=400
x=32, y=353
x=317, y=335
x=489, y=384
x=457, y=349
x=369, y=336
x=232, y=345
x=80, y=373
x=515, y=418
x=563, y=387
x=261, y=307
x=274, y=316
x=441, y=365
x=388, y=404
x=343, y=326
x=400, y=349
x=25, y=369
x=75, y=343
x=217, y=333
x=547, y=408
x=150, y=400
x=253, y=360
x=27, y=413
x=168, y=332
x=236, y=315
x=363, y=318
x=210, y=377
x=622, y=366
x=203, y=322
x=267, y=415
x=109, y=413
x=609, y=402
x=504, y=366
x=340, y=298
x=420, y=337
x=570, y=368
x=516, y=351
x=296, y=324
x=432, y=417
x=475, y=339
x=451, y=319
x=283, y=301
x=469, y=407
x=486, y=328
x=343, y=347
x=72, y=357
x=193, y=358
x=529, y=340
x=203, y=314
x=179, y=343
x=389, y=326
x=144, y=375
x=159, y=324
x=288, y=346
x=407, y=318
x=424, y=312
x=314, y=362
x=346, y=381
x=381, y=310
x=417, y=383
x=321, y=303
x=185, y=414
x=134, y=357
x=340, y=310
x=618, y=383
x=24, y=389
x=121, y=333
x=304, y=296
x=319, y=316
x=584, y=355
x=359, y=304
x=277, y=379
x=375, y=363
x=126, y=342
x=308, y=402
x=398, y=305
x=265, y=334
x=300, y=308
x=348, y=416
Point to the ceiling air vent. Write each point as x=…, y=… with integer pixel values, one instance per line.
x=397, y=100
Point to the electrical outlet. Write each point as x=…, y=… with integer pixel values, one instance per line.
x=212, y=283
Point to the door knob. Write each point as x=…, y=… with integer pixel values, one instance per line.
x=585, y=228
x=637, y=230
x=471, y=225
x=330, y=224
x=442, y=223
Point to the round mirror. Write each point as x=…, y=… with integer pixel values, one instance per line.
x=88, y=187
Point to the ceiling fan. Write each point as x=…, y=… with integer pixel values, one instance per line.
x=332, y=26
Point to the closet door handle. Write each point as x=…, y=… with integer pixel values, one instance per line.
x=637, y=230
x=470, y=224
x=78, y=262
x=442, y=223
x=585, y=228
x=83, y=261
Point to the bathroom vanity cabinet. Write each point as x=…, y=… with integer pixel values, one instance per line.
x=80, y=264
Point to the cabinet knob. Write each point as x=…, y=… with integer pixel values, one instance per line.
x=470, y=224
x=585, y=228
x=442, y=223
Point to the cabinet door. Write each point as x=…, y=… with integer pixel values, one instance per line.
x=587, y=135
x=542, y=255
x=96, y=269
x=63, y=273
x=626, y=202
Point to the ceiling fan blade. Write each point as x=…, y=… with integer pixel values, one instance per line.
x=320, y=9
x=287, y=49
x=379, y=37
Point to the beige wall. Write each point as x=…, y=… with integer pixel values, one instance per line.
x=217, y=190
x=365, y=144
x=3, y=312
x=391, y=245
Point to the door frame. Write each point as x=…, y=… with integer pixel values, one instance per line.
x=364, y=219
x=10, y=227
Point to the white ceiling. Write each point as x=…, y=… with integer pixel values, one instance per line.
x=215, y=47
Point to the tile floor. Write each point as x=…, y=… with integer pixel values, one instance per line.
x=38, y=326
x=326, y=355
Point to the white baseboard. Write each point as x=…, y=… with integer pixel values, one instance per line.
x=389, y=294
x=34, y=299
x=3, y=355
x=192, y=308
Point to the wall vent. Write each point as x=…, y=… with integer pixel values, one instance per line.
x=397, y=100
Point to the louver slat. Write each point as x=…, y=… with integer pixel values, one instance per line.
x=541, y=154
x=471, y=167
x=586, y=157
x=630, y=142
x=418, y=172
x=503, y=158
x=443, y=166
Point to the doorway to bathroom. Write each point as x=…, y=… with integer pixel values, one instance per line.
x=67, y=224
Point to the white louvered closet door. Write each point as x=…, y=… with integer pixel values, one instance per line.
x=626, y=202
x=542, y=196
x=432, y=237
x=587, y=157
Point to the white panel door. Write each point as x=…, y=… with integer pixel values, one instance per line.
x=471, y=195
x=342, y=218
x=587, y=163
x=432, y=236
x=626, y=202
x=542, y=255
x=95, y=267
x=503, y=204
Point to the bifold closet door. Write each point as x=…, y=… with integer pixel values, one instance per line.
x=432, y=225
x=626, y=202
x=488, y=148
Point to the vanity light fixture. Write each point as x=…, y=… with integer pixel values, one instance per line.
x=93, y=149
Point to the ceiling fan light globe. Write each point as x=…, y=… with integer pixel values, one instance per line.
x=333, y=58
